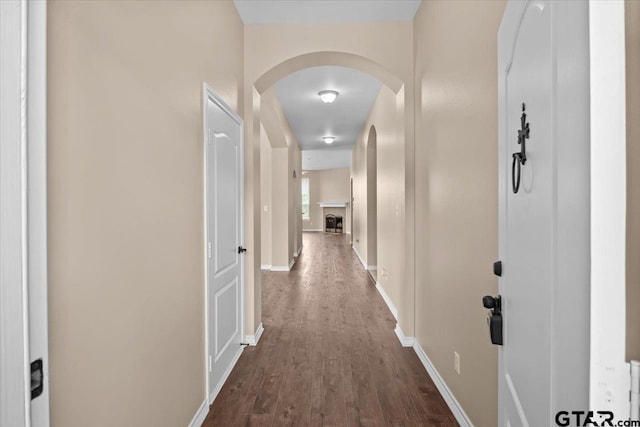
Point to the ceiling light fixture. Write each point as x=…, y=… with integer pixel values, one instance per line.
x=328, y=139
x=328, y=96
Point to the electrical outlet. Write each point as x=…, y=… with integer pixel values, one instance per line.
x=266, y=208
x=456, y=362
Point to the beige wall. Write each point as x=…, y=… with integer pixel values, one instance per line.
x=280, y=188
x=281, y=253
x=265, y=197
x=456, y=199
x=390, y=175
x=125, y=189
x=372, y=198
x=632, y=18
x=283, y=224
x=331, y=185
x=359, y=175
x=384, y=49
x=295, y=197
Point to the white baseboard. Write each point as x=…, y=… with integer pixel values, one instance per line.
x=218, y=387
x=387, y=300
x=283, y=267
x=265, y=267
x=373, y=268
x=404, y=340
x=252, y=340
x=359, y=257
x=200, y=415
x=312, y=229
x=448, y=396
x=297, y=254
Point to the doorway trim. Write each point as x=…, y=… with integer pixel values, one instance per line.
x=610, y=377
x=212, y=390
x=23, y=188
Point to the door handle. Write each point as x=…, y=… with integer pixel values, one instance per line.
x=241, y=249
x=495, y=317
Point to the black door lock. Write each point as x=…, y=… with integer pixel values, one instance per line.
x=495, y=317
x=497, y=268
x=241, y=249
x=37, y=378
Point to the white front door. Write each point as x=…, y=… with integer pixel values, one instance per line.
x=544, y=211
x=223, y=188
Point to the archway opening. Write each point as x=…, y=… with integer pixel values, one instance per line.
x=397, y=100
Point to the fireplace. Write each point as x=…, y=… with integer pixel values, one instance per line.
x=333, y=223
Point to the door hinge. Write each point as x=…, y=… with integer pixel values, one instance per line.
x=210, y=363
x=209, y=250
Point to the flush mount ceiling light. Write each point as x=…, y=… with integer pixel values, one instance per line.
x=328, y=96
x=328, y=139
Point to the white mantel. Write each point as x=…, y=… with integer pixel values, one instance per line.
x=333, y=204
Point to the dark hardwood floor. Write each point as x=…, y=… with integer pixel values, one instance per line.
x=328, y=354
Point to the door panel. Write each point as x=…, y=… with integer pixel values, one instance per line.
x=226, y=221
x=223, y=132
x=226, y=301
x=530, y=222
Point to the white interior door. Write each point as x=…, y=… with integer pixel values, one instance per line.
x=223, y=188
x=544, y=211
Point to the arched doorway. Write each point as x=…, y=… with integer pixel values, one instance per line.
x=403, y=266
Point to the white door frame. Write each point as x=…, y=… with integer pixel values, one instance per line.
x=14, y=311
x=37, y=243
x=208, y=93
x=23, y=221
x=610, y=376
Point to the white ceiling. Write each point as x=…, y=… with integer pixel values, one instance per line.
x=316, y=11
x=311, y=119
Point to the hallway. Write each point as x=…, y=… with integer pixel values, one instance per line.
x=328, y=355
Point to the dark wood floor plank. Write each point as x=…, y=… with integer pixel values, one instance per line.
x=294, y=404
x=328, y=355
x=328, y=403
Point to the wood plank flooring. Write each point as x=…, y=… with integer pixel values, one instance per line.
x=328, y=355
